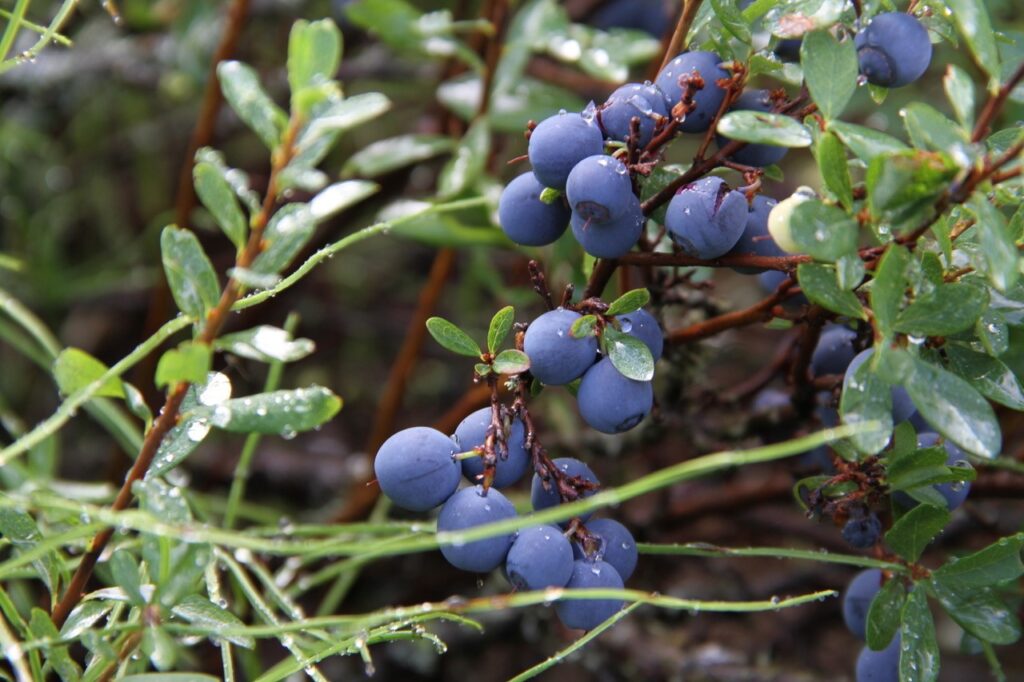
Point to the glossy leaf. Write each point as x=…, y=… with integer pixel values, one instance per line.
x=1000, y=258
x=452, y=337
x=884, y=614
x=732, y=19
x=823, y=232
x=333, y=118
x=286, y=235
x=629, y=355
x=971, y=18
x=945, y=310
x=959, y=88
x=385, y=156
x=998, y=563
x=74, y=369
x=469, y=161
x=865, y=143
x=189, y=362
x=914, y=530
x=337, y=197
x=498, y=330
x=242, y=90
x=835, y=171
x=978, y=610
x=628, y=302
x=930, y=129
x=190, y=276
x=867, y=398
x=219, y=199
x=989, y=375
x=919, y=648
x=314, y=54
x=266, y=344
x=830, y=70
x=583, y=327
x=282, y=412
x=818, y=283
x=886, y=295
x=204, y=613
x=511, y=361
x=764, y=128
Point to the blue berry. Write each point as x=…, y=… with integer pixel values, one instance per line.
x=511, y=465
x=556, y=357
x=416, y=468
x=599, y=189
x=834, y=351
x=642, y=15
x=770, y=400
x=610, y=239
x=540, y=557
x=893, y=50
x=544, y=498
x=862, y=531
x=643, y=326
x=756, y=240
x=708, y=99
x=880, y=666
x=473, y=507
x=610, y=402
x=825, y=409
x=616, y=546
x=706, y=218
x=902, y=407
x=857, y=599
x=587, y=614
x=758, y=155
x=558, y=143
x=955, y=492
x=788, y=49
x=525, y=218
x=632, y=100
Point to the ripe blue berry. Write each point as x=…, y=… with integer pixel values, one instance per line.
x=857, y=599
x=893, y=50
x=642, y=15
x=880, y=666
x=955, y=492
x=706, y=218
x=587, y=614
x=758, y=155
x=540, y=557
x=511, y=465
x=558, y=143
x=544, y=498
x=472, y=507
x=555, y=356
x=902, y=406
x=611, y=402
x=599, y=189
x=616, y=546
x=834, y=351
x=643, y=326
x=632, y=100
x=756, y=240
x=862, y=530
x=525, y=218
x=416, y=468
x=708, y=99
x=611, y=239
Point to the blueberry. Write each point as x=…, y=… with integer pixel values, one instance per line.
x=825, y=409
x=708, y=99
x=472, y=432
x=788, y=49
x=558, y=143
x=770, y=400
x=857, y=599
x=611, y=239
x=643, y=326
x=540, y=557
x=473, y=507
x=525, y=218
x=632, y=100
x=955, y=492
x=556, y=357
x=544, y=498
x=616, y=546
x=610, y=402
x=834, y=351
x=862, y=530
x=780, y=217
x=902, y=407
x=880, y=666
x=893, y=50
x=755, y=240
x=706, y=218
x=758, y=155
x=599, y=189
x=416, y=468
x=641, y=15
x=587, y=614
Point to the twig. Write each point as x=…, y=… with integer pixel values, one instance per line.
x=758, y=312
x=784, y=263
x=995, y=104
x=677, y=43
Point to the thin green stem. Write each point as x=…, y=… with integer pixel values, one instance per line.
x=50, y=34
x=705, y=550
x=14, y=652
x=14, y=23
x=38, y=28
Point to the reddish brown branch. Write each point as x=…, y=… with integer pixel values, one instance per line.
x=681, y=259
x=995, y=104
x=759, y=312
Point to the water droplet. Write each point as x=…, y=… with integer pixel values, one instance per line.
x=243, y=555
x=216, y=391
x=627, y=326
x=196, y=431
x=287, y=432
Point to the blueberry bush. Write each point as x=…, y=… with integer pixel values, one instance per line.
x=668, y=316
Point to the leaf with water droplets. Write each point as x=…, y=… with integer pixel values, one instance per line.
x=867, y=398
x=125, y=570
x=830, y=70
x=242, y=90
x=189, y=362
x=865, y=143
x=339, y=196
x=914, y=530
x=42, y=628
x=946, y=309
x=764, y=128
x=206, y=614
x=20, y=530
x=282, y=412
x=989, y=375
x=314, y=55
x=998, y=563
x=628, y=302
x=584, y=326
x=820, y=286
x=266, y=344
x=331, y=118
x=919, y=649
x=971, y=17
x=385, y=156
x=884, y=614
x=288, y=232
x=74, y=369
x=823, y=232
x=628, y=354
x=190, y=276
x=216, y=194
x=978, y=610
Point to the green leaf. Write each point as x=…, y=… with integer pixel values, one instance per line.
x=282, y=412
x=43, y=628
x=219, y=199
x=959, y=88
x=74, y=369
x=189, y=362
x=190, y=276
x=314, y=55
x=242, y=90
x=501, y=325
x=945, y=310
x=764, y=128
x=482, y=369
x=125, y=570
x=188, y=562
x=1000, y=258
x=830, y=70
x=823, y=232
x=20, y=529
x=990, y=376
x=732, y=19
x=886, y=295
x=286, y=235
x=835, y=171
x=920, y=467
x=998, y=563
x=194, y=425
x=469, y=161
x=628, y=302
x=902, y=185
x=629, y=355
x=867, y=398
x=919, y=648
x=332, y=118
x=971, y=18
x=511, y=362
x=266, y=344
x=956, y=410
x=914, y=530
x=453, y=338
x=159, y=647
x=84, y=616
x=385, y=156
x=865, y=143
x=530, y=99
x=978, y=610
x=849, y=271
x=818, y=283
x=237, y=180
x=169, y=677
x=583, y=327
x=341, y=195
x=993, y=332
x=929, y=129
x=884, y=614
x=204, y=613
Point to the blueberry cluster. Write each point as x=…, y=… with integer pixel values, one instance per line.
x=872, y=666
